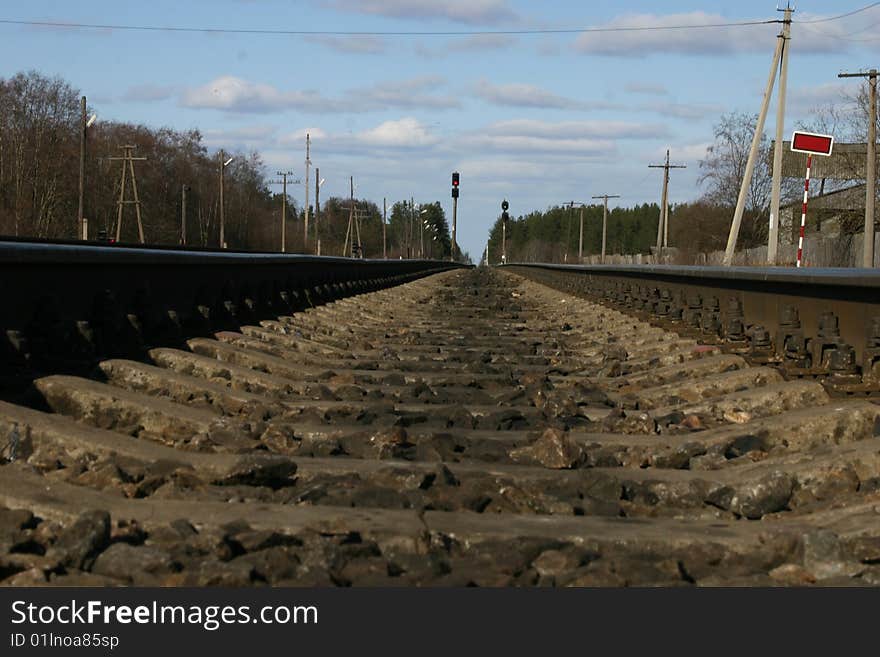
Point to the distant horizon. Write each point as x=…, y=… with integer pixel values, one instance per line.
x=538, y=118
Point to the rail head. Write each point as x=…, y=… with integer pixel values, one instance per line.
x=821, y=323
x=826, y=276
x=117, y=299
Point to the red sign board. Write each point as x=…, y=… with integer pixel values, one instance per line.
x=808, y=142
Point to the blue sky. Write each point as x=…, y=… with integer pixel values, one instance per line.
x=539, y=119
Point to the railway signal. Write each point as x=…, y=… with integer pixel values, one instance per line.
x=811, y=144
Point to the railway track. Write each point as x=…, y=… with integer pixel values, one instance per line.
x=473, y=427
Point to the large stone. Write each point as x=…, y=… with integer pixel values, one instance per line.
x=132, y=563
x=769, y=494
x=80, y=542
x=824, y=556
x=554, y=449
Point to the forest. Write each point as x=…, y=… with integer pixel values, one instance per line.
x=40, y=137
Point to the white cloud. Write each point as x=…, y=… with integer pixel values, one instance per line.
x=403, y=133
x=238, y=95
x=473, y=12
x=232, y=94
x=523, y=95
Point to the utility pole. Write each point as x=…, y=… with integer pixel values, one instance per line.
x=183, y=214
x=421, y=233
x=223, y=164
x=581, y=237
x=129, y=159
x=82, y=171
x=773, y=235
x=317, y=204
x=222, y=156
x=384, y=217
x=871, y=164
x=663, y=225
x=284, y=175
x=306, y=223
x=753, y=156
x=412, y=225
x=605, y=197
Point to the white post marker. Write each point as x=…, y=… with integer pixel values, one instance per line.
x=811, y=144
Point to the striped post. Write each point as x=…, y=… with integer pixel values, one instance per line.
x=800, y=253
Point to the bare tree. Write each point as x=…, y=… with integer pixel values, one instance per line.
x=725, y=164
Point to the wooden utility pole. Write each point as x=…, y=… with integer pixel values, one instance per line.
x=223, y=163
x=306, y=222
x=753, y=156
x=82, y=171
x=776, y=187
x=663, y=225
x=284, y=175
x=384, y=222
x=871, y=164
x=412, y=226
x=183, y=214
x=317, y=204
x=129, y=160
x=350, y=230
x=605, y=197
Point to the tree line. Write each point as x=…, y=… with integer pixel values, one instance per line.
x=40, y=128
x=701, y=225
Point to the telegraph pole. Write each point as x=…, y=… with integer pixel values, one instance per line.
x=384, y=216
x=773, y=236
x=605, y=197
x=871, y=165
x=129, y=159
x=284, y=175
x=753, y=156
x=581, y=237
x=317, y=203
x=306, y=223
x=663, y=226
x=82, y=170
x=183, y=214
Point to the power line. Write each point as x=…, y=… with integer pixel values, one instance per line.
x=835, y=18
x=281, y=32
x=277, y=32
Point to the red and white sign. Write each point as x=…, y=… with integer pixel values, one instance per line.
x=809, y=142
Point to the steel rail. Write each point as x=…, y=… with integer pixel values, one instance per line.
x=822, y=323
x=68, y=301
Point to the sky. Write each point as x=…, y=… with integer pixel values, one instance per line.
x=536, y=116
